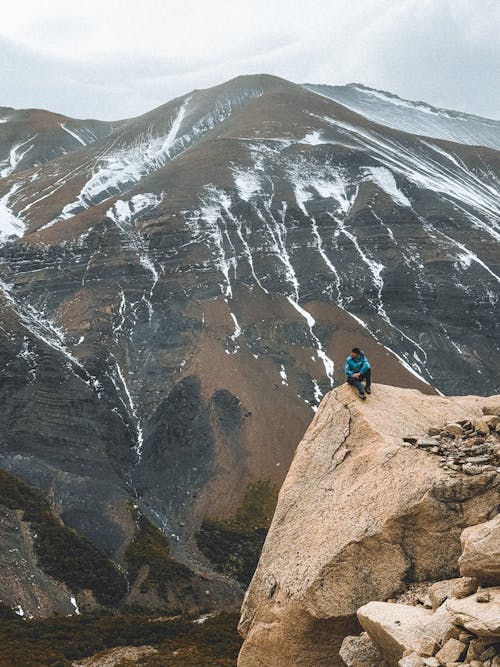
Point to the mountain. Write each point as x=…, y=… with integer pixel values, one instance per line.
x=179, y=294
x=32, y=137
x=415, y=117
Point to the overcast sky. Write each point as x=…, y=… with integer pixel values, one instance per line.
x=117, y=58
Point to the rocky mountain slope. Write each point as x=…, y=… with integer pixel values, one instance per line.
x=369, y=512
x=178, y=294
x=32, y=137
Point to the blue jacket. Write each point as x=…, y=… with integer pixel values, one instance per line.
x=358, y=365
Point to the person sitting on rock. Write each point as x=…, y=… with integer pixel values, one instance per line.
x=357, y=369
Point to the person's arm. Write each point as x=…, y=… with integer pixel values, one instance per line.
x=347, y=368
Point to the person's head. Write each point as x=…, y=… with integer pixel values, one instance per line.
x=355, y=352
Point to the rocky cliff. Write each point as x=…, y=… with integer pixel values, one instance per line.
x=372, y=507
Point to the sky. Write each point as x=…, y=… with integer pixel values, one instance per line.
x=113, y=59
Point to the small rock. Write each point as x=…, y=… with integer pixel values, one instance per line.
x=483, y=596
x=411, y=439
x=465, y=637
x=427, y=645
x=489, y=653
x=425, y=443
x=412, y=660
x=455, y=429
x=475, y=440
x=477, y=460
x=452, y=651
x=431, y=662
x=470, y=469
x=464, y=587
x=360, y=652
x=481, y=427
x=441, y=590
x=491, y=409
x=432, y=430
x=476, y=647
x=477, y=450
x=492, y=421
x=427, y=602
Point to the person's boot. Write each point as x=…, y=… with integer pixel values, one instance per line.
x=368, y=389
x=362, y=395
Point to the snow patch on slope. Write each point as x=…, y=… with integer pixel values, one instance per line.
x=10, y=224
x=16, y=154
x=385, y=180
x=327, y=362
x=123, y=212
x=73, y=134
x=123, y=167
x=247, y=183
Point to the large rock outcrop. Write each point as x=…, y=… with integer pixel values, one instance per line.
x=361, y=515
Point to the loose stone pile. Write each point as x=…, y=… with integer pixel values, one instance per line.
x=468, y=446
x=456, y=623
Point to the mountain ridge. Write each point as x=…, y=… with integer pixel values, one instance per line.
x=426, y=119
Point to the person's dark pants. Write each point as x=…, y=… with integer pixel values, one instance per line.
x=356, y=382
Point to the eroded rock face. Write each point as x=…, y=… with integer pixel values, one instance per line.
x=360, y=516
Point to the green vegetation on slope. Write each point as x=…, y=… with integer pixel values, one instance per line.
x=61, y=552
x=150, y=547
x=56, y=642
x=234, y=545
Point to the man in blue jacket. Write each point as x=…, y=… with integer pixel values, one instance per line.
x=357, y=369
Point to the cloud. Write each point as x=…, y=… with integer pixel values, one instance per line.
x=114, y=59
